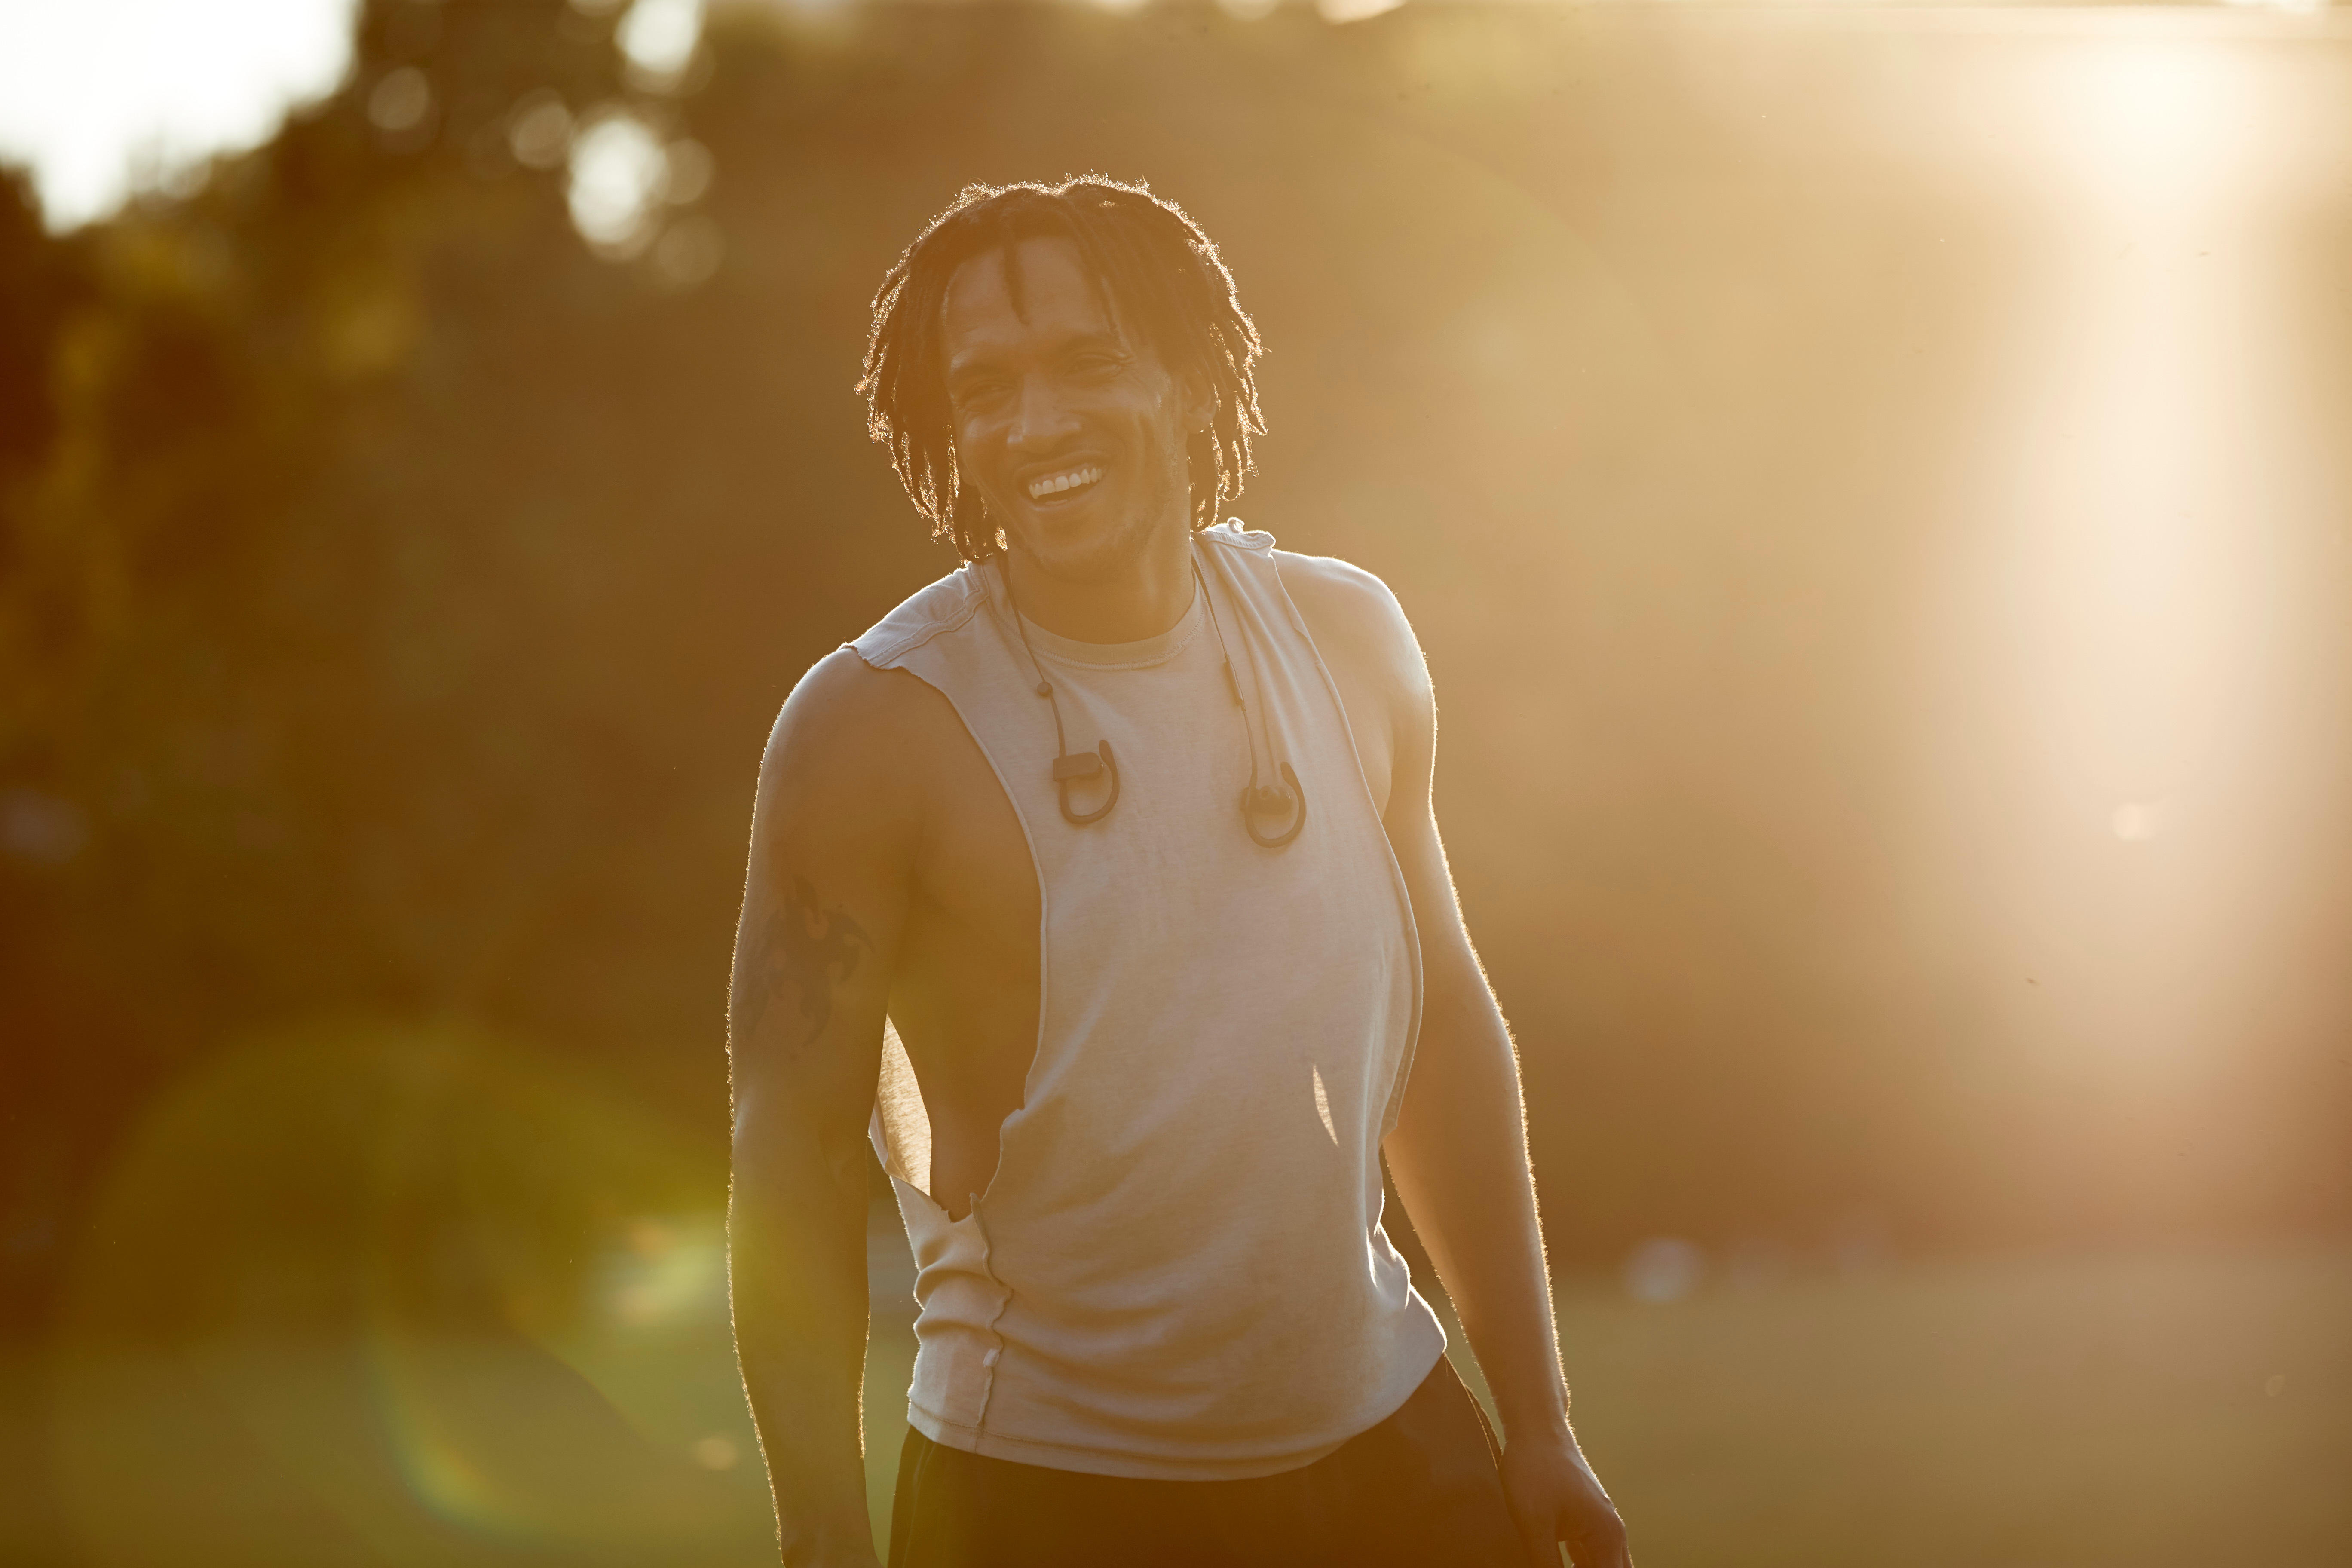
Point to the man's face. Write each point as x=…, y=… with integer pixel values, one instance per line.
x=1069, y=425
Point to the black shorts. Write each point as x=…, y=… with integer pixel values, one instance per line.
x=1420, y=1489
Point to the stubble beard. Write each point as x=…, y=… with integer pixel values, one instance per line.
x=1114, y=552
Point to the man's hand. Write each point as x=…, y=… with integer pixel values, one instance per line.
x=847, y=1548
x=1459, y=1148
x=1555, y=1497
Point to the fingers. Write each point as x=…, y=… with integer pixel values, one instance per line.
x=1599, y=1542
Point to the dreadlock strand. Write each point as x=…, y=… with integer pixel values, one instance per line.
x=1157, y=274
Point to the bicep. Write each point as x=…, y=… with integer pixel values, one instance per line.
x=1421, y=856
x=1448, y=960
x=1411, y=818
x=1359, y=621
x=824, y=901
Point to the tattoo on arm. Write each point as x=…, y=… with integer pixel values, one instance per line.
x=799, y=949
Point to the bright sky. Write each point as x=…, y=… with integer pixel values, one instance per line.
x=88, y=88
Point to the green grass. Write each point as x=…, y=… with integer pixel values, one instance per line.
x=2064, y=1413
x=2057, y=1414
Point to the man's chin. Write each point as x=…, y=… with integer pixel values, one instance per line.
x=1082, y=557
x=1084, y=568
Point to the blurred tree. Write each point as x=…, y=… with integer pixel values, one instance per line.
x=394, y=589
x=266, y=466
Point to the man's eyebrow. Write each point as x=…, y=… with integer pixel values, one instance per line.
x=971, y=361
x=1094, y=337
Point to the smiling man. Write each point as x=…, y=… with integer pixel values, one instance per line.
x=1099, y=887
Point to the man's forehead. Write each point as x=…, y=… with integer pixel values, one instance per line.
x=1046, y=286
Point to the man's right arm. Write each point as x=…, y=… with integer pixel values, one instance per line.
x=833, y=839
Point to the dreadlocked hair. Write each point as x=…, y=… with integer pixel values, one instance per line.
x=1161, y=277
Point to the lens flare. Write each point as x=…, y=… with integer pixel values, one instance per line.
x=447, y=1298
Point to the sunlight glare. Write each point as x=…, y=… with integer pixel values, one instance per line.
x=2154, y=118
x=658, y=38
x=402, y=100
x=618, y=173
x=539, y=130
x=1339, y=13
x=2137, y=571
x=100, y=96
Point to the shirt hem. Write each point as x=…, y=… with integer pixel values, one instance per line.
x=989, y=1445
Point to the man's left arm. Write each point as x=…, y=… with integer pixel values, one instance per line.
x=1459, y=1152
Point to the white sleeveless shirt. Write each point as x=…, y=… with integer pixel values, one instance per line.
x=1178, y=1270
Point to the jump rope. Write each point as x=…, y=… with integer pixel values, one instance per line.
x=1258, y=799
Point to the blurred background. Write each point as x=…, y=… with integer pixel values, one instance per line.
x=1872, y=481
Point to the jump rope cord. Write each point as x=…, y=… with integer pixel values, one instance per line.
x=1224, y=652
x=1044, y=686
x=1233, y=682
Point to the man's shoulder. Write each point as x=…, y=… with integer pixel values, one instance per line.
x=856, y=700
x=1337, y=588
x=1353, y=614
x=849, y=719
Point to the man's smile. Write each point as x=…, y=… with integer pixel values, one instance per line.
x=1047, y=487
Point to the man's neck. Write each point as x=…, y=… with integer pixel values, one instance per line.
x=1147, y=599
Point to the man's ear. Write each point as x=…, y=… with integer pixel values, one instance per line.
x=1200, y=404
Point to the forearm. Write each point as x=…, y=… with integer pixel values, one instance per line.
x=796, y=1263
x=1459, y=1157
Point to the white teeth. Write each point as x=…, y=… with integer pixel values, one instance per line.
x=1055, y=484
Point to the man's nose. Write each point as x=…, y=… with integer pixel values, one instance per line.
x=1042, y=420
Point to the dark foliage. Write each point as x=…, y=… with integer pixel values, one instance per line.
x=395, y=595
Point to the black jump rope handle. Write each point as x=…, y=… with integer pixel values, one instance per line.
x=1086, y=765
